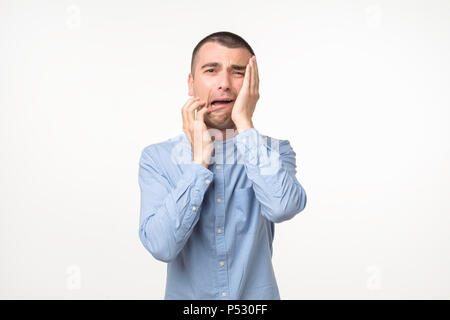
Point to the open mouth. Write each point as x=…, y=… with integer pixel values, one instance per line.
x=220, y=103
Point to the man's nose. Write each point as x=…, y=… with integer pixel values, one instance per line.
x=224, y=82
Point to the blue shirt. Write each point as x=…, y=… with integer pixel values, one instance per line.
x=215, y=226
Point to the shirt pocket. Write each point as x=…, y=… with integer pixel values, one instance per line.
x=245, y=210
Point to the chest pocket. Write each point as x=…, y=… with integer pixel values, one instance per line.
x=245, y=210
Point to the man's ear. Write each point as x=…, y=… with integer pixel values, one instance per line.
x=191, y=84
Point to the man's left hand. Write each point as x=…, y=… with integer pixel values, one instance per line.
x=245, y=103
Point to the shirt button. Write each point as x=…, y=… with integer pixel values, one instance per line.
x=194, y=208
x=222, y=263
x=224, y=294
x=207, y=181
x=218, y=167
x=260, y=165
x=219, y=146
x=219, y=230
x=219, y=200
x=244, y=140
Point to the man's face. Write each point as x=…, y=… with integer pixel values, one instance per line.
x=218, y=74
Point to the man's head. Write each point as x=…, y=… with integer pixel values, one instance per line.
x=217, y=73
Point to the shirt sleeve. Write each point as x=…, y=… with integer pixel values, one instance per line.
x=168, y=213
x=271, y=165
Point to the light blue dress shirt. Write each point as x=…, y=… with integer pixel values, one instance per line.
x=215, y=227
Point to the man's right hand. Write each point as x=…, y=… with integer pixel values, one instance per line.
x=196, y=130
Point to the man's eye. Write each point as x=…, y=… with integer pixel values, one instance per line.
x=212, y=70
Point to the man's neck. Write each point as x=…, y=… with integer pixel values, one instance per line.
x=224, y=134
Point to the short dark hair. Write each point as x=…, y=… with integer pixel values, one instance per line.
x=226, y=39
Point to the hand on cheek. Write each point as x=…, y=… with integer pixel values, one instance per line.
x=245, y=103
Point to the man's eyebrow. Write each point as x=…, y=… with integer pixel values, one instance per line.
x=210, y=64
x=216, y=64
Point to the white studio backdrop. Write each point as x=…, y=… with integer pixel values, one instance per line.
x=359, y=88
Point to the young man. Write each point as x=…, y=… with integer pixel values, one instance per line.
x=208, y=206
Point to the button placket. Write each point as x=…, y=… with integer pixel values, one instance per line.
x=219, y=208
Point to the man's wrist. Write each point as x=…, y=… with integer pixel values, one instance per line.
x=244, y=126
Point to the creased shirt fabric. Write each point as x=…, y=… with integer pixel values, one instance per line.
x=214, y=226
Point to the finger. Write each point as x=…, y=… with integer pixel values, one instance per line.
x=186, y=106
x=201, y=113
x=189, y=102
x=208, y=101
x=183, y=112
x=252, y=64
x=190, y=110
x=246, y=83
x=194, y=105
x=251, y=79
x=255, y=75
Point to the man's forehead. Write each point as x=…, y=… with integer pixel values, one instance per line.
x=214, y=52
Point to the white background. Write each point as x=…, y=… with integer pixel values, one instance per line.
x=359, y=88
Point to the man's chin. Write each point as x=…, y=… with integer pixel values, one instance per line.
x=220, y=125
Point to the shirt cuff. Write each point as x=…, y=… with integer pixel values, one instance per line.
x=202, y=178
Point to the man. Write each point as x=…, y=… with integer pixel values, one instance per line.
x=208, y=206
